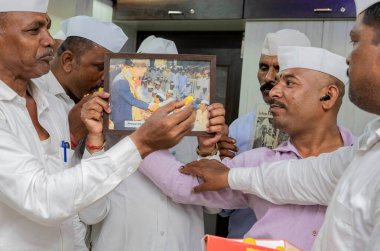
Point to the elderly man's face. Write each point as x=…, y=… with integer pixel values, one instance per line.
x=25, y=44
x=364, y=61
x=88, y=71
x=295, y=99
x=268, y=68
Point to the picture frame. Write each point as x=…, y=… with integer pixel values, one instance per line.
x=141, y=83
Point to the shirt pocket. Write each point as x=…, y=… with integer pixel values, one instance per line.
x=65, y=156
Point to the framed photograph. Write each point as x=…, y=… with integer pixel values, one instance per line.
x=264, y=133
x=141, y=83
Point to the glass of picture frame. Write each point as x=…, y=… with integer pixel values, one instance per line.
x=141, y=83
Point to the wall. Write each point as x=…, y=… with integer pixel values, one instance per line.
x=332, y=35
x=59, y=10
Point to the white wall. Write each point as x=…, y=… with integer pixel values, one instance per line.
x=59, y=10
x=332, y=35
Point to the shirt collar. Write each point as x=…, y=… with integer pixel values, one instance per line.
x=287, y=146
x=370, y=136
x=39, y=97
x=6, y=93
x=54, y=86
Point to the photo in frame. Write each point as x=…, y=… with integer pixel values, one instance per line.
x=141, y=83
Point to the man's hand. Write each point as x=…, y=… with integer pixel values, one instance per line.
x=215, y=126
x=92, y=117
x=227, y=145
x=213, y=173
x=164, y=128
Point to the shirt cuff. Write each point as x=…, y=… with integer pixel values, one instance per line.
x=125, y=156
x=241, y=178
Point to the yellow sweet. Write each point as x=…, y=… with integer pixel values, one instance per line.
x=280, y=248
x=100, y=89
x=249, y=241
x=188, y=99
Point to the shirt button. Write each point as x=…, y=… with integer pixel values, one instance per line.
x=314, y=233
x=162, y=233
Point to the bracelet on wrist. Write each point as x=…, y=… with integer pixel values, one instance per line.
x=206, y=154
x=94, y=147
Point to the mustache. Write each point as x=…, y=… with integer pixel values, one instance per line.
x=277, y=103
x=47, y=53
x=266, y=87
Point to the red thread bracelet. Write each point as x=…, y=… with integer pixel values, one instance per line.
x=92, y=147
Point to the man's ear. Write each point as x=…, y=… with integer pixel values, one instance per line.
x=333, y=92
x=68, y=61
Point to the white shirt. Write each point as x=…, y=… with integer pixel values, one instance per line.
x=49, y=83
x=138, y=216
x=347, y=180
x=38, y=196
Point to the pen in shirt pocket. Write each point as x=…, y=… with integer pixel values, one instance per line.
x=65, y=145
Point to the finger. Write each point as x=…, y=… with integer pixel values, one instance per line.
x=224, y=153
x=219, y=120
x=98, y=104
x=225, y=130
x=216, y=109
x=228, y=146
x=184, y=127
x=215, y=129
x=191, y=168
x=168, y=108
x=227, y=139
x=183, y=115
x=92, y=114
x=211, y=141
x=103, y=95
x=215, y=106
x=201, y=188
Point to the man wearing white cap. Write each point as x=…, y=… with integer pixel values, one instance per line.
x=78, y=67
x=241, y=131
x=137, y=215
x=305, y=105
x=39, y=193
x=347, y=180
x=169, y=96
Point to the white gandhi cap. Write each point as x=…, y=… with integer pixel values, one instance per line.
x=25, y=5
x=154, y=44
x=313, y=58
x=105, y=34
x=286, y=37
x=59, y=35
x=362, y=5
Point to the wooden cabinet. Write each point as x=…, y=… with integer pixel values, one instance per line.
x=274, y=9
x=178, y=9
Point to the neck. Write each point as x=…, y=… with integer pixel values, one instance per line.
x=316, y=141
x=16, y=83
x=64, y=81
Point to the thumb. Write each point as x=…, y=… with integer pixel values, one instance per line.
x=188, y=170
x=200, y=188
